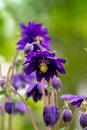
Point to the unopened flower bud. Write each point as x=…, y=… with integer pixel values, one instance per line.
x=2, y=82
x=28, y=48
x=67, y=115
x=83, y=120
x=85, y=128
x=51, y=114
x=56, y=83
x=9, y=107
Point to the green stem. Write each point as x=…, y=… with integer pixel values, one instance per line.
x=61, y=114
x=43, y=93
x=3, y=119
x=49, y=93
x=11, y=122
x=74, y=114
x=0, y=71
x=56, y=103
x=28, y=109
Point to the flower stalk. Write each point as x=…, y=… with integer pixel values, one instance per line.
x=74, y=114
x=43, y=93
x=28, y=109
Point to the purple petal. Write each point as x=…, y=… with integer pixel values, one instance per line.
x=67, y=96
x=21, y=106
x=30, y=68
x=61, y=60
x=39, y=76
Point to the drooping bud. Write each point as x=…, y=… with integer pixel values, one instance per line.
x=85, y=128
x=28, y=48
x=2, y=82
x=51, y=114
x=56, y=83
x=67, y=115
x=83, y=120
x=9, y=107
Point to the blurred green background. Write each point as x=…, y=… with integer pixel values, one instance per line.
x=67, y=24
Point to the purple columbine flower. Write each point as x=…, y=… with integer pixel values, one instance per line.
x=35, y=88
x=74, y=100
x=19, y=81
x=45, y=64
x=12, y=107
x=51, y=114
x=20, y=108
x=34, y=34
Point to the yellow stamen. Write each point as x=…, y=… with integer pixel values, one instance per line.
x=43, y=67
x=83, y=106
x=41, y=38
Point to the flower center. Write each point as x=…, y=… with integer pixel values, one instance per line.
x=43, y=67
x=41, y=38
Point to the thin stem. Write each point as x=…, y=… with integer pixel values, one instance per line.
x=43, y=93
x=60, y=115
x=11, y=122
x=3, y=120
x=49, y=93
x=49, y=128
x=74, y=114
x=28, y=109
x=11, y=68
x=3, y=116
x=0, y=71
x=56, y=103
x=13, y=64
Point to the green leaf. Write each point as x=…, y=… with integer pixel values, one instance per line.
x=49, y=89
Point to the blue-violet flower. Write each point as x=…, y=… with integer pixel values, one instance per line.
x=45, y=64
x=34, y=34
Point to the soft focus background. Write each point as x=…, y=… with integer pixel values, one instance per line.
x=67, y=24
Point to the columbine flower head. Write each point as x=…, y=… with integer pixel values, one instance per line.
x=74, y=100
x=19, y=81
x=12, y=107
x=35, y=89
x=45, y=64
x=34, y=34
x=20, y=108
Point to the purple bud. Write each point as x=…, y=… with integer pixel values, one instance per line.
x=2, y=82
x=67, y=115
x=56, y=83
x=85, y=128
x=10, y=107
x=83, y=120
x=28, y=48
x=51, y=114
